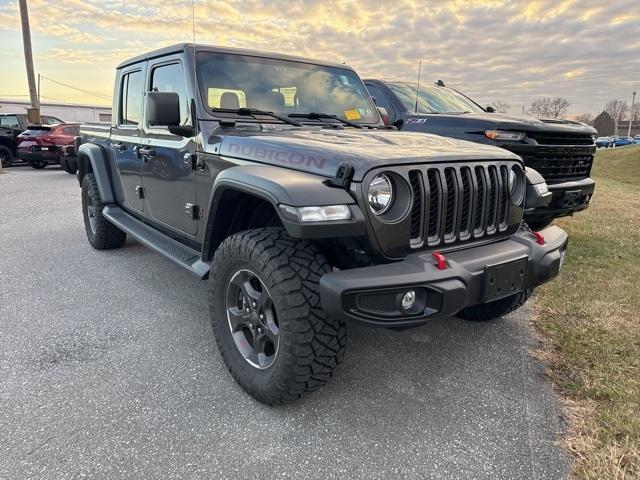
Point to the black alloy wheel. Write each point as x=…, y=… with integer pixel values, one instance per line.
x=252, y=319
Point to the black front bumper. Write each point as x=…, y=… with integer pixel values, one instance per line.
x=371, y=295
x=566, y=199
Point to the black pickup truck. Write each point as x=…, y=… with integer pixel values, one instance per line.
x=12, y=125
x=274, y=177
x=560, y=150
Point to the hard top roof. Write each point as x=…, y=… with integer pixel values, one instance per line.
x=181, y=47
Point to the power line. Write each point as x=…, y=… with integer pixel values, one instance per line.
x=88, y=92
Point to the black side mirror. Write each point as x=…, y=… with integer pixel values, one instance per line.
x=490, y=109
x=163, y=109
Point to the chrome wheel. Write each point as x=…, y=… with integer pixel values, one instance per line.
x=252, y=319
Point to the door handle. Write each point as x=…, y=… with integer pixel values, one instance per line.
x=121, y=147
x=146, y=153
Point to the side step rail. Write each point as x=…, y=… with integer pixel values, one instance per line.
x=163, y=244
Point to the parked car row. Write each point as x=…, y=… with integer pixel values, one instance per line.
x=616, y=141
x=37, y=145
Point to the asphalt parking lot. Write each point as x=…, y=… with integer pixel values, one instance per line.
x=108, y=369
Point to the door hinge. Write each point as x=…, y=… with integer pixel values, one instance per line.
x=190, y=160
x=192, y=211
x=140, y=191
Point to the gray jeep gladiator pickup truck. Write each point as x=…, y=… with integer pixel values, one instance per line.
x=274, y=177
x=560, y=150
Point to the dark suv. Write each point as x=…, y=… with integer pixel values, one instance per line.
x=12, y=125
x=560, y=150
x=273, y=177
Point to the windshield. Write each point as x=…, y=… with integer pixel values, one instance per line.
x=282, y=86
x=433, y=99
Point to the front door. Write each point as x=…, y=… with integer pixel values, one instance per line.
x=169, y=179
x=127, y=135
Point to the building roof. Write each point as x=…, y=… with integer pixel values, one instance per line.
x=52, y=104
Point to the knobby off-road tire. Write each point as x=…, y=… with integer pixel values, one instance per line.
x=102, y=234
x=492, y=310
x=310, y=345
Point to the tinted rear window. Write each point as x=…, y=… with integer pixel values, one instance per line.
x=35, y=132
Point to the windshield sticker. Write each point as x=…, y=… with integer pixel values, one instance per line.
x=416, y=120
x=352, y=114
x=364, y=112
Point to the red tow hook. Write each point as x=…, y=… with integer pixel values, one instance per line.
x=539, y=238
x=442, y=263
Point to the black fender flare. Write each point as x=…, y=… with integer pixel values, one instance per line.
x=538, y=194
x=92, y=158
x=280, y=186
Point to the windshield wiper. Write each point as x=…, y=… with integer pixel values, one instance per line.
x=319, y=116
x=252, y=112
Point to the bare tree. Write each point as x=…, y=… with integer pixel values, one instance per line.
x=585, y=118
x=500, y=106
x=548, y=107
x=618, y=109
x=635, y=112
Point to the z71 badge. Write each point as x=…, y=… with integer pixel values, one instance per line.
x=416, y=120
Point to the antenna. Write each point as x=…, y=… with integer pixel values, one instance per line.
x=418, y=86
x=196, y=89
x=193, y=21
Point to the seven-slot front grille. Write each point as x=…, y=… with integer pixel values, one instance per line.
x=452, y=204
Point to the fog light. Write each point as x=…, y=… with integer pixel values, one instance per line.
x=408, y=299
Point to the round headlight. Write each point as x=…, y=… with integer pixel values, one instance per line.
x=516, y=184
x=513, y=181
x=380, y=194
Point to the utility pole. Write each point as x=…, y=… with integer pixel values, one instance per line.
x=633, y=101
x=33, y=113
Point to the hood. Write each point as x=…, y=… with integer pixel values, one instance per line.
x=483, y=121
x=321, y=150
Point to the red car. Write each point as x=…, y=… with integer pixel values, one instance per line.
x=40, y=145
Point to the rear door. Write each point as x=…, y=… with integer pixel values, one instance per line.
x=169, y=179
x=126, y=134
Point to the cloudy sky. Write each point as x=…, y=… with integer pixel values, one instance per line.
x=514, y=51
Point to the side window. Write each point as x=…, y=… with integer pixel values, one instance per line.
x=131, y=98
x=9, y=121
x=170, y=78
x=71, y=131
x=50, y=120
x=382, y=100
